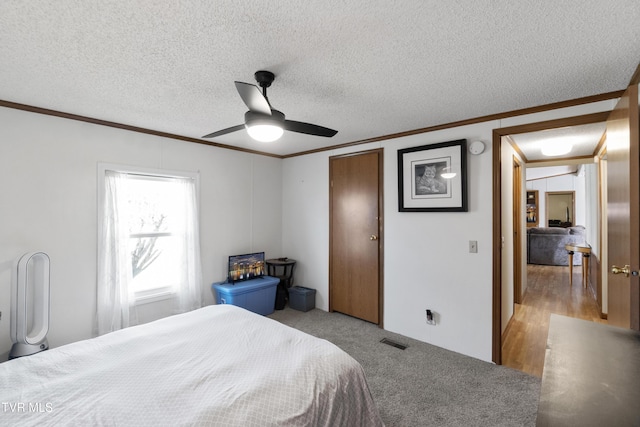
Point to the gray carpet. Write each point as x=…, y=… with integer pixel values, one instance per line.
x=425, y=385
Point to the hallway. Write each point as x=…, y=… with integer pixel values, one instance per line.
x=548, y=291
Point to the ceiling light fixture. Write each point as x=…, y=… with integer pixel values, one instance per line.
x=553, y=148
x=262, y=122
x=265, y=133
x=264, y=128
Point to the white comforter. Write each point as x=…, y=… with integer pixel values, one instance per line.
x=216, y=366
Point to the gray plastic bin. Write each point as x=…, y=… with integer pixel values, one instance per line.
x=302, y=299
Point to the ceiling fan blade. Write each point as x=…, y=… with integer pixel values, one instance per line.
x=253, y=98
x=308, y=128
x=224, y=131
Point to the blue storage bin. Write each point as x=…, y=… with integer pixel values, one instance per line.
x=257, y=295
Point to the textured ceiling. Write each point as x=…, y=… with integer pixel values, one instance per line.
x=366, y=68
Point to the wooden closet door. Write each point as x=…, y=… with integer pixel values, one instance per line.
x=355, y=240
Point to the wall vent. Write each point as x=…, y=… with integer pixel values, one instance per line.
x=393, y=343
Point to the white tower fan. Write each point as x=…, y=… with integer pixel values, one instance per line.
x=30, y=305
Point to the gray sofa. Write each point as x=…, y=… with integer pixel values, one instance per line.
x=545, y=245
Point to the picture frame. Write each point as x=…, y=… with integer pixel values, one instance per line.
x=422, y=187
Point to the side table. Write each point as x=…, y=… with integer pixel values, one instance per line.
x=585, y=250
x=286, y=265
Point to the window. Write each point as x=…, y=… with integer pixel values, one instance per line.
x=148, y=245
x=153, y=220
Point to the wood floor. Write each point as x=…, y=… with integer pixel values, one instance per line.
x=548, y=291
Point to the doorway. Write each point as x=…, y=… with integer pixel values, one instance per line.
x=623, y=201
x=498, y=279
x=561, y=208
x=355, y=235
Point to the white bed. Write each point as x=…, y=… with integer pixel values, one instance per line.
x=217, y=366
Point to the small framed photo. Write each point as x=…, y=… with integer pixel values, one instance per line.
x=433, y=178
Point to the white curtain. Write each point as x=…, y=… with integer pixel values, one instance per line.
x=115, y=300
x=188, y=293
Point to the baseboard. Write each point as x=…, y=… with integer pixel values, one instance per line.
x=508, y=328
x=595, y=275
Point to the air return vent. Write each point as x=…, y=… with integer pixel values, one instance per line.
x=393, y=343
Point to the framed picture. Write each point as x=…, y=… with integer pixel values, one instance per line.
x=433, y=178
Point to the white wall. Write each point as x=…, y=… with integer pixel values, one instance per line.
x=508, y=241
x=427, y=262
x=48, y=174
x=305, y=221
x=591, y=215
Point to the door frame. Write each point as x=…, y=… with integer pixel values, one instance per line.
x=498, y=133
x=603, y=262
x=517, y=230
x=380, y=153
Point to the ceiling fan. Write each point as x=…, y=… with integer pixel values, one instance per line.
x=262, y=122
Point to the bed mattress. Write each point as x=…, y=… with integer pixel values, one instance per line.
x=217, y=366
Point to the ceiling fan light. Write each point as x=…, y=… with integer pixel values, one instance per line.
x=556, y=148
x=265, y=132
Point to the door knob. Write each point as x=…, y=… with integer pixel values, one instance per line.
x=373, y=237
x=620, y=270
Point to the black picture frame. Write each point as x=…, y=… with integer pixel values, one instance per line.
x=421, y=186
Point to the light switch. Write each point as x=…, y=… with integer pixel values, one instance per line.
x=473, y=246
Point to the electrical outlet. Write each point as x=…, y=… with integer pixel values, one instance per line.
x=473, y=246
x=431, y=317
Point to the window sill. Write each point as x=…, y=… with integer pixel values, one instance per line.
x=147, y=298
